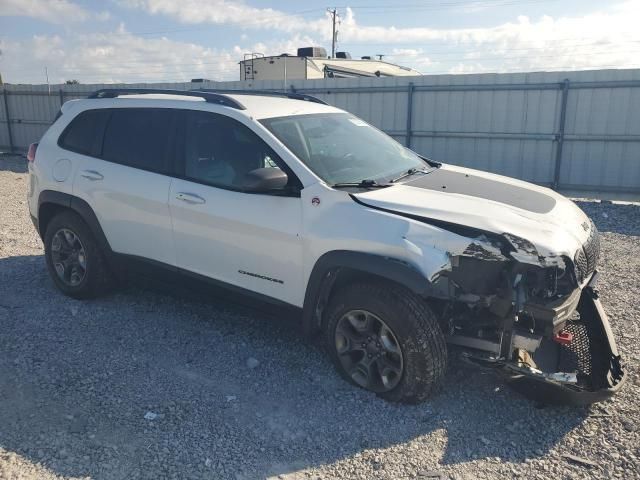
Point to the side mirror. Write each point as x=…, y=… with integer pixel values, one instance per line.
x=264, y=180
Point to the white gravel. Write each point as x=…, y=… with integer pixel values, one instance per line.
x=79, y=380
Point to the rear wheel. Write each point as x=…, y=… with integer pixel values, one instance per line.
x=73, y=257
x=387, y=340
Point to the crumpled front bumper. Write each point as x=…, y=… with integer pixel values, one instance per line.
x=592, y=355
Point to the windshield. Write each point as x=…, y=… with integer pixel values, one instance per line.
x=341, y=148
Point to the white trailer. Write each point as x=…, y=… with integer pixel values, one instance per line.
x=303, y=67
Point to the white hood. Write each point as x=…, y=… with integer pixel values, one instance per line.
x=551, y=222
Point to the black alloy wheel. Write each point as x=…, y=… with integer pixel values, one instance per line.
x=368, y=351
x=69, y=257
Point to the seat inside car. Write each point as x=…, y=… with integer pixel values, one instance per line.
x=206, y=158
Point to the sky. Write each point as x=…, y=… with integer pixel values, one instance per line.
x=177, y=40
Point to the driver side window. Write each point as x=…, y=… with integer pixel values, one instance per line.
x=220, y=151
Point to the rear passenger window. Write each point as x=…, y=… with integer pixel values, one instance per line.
x=138, y=138
x=81, y=135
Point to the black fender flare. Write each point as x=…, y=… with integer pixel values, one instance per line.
x=80, y=207
x=323, y=276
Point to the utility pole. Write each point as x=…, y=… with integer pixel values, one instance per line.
x=334, y=34
x=46, y=74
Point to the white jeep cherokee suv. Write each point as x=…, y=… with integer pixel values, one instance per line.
x=387, y=254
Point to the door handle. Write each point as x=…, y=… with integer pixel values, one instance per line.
x=91, y=175
x=190, y=198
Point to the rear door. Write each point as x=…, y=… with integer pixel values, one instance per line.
x=125, y=180
x=249, y=240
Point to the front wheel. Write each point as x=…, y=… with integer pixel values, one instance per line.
x=387, y=340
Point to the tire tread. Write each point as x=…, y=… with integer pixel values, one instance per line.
x=425, y=345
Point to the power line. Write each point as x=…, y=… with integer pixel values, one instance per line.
x=139, y=74
x=204, y=67
x=542, y=47
x=163, y=64
x=206, y=71
x=226, y=60
x=440, y=42
x=442, y=5
x=442, y=72
x=185, y=79
x=499, y=57
x=194, y=67
x=531, y=69
x=191, y=73
x=263, y=20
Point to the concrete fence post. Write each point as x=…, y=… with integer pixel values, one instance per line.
x=61, y=93
x=5, y=96
x=410, y=89
x=560, y=135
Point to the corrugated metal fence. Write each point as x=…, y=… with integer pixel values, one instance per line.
x=569, y=130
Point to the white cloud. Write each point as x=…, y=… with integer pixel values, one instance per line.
x=408, y=52
x=56, y=11
x=415, y=57
x=615, y=23
x=277, y=47
x=112, y=57
x=598, y=40
x=608, y=37
x=103, y=16
x=227, y=12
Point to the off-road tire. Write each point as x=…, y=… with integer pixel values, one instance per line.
x=414, y=325
x=97, y=277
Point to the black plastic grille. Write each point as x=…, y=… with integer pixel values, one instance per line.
x=585, y=355
x=587, y=257
x=576, y=357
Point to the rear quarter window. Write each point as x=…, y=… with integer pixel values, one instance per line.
x=82, y=135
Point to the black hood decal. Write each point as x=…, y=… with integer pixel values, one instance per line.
x=447, y=181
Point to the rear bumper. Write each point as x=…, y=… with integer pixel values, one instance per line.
x=599, y=368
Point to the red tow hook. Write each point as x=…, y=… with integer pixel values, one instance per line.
x=563, y=338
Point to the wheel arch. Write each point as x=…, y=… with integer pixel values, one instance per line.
x=338, y=267
x=51, y=203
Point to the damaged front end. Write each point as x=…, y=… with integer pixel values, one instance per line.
x=536, y=319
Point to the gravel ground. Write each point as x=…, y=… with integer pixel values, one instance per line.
x=145, y=384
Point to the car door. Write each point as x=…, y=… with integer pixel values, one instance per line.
x=126, y=184
x=248, y=240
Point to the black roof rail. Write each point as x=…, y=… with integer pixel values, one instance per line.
x=272, y=93
x=210, y=97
